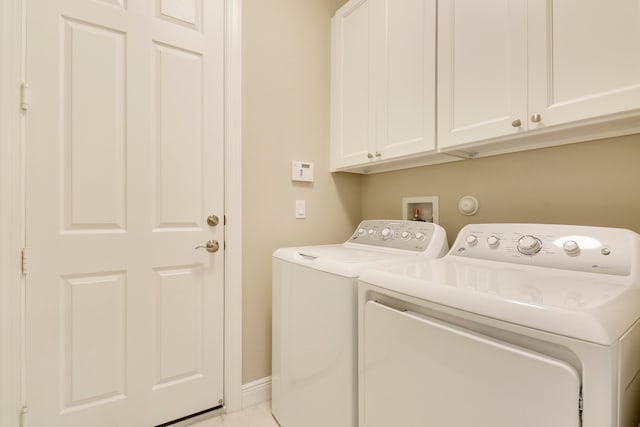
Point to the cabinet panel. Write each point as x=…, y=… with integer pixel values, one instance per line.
x=584, y=59
x=408, y=93
x=482, y=63
x=351, y=114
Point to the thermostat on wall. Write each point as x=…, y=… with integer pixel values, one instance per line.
x=301, y=171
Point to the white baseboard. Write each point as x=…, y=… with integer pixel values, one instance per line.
x=256, y=392
x=253, y=393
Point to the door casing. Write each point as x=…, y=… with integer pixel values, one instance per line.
x=11, y=213
x=12, y=225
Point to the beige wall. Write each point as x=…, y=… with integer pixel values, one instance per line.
x=285, y=84
x=286, y=62
x=590, y=183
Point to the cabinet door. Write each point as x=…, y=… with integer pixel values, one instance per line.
x=482, y=70
x=405, y=120
x=351, y=85
x=584, y=59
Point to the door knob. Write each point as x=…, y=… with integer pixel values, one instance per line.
x=516, y=123
x=212, y=220
x=211, y=246
x=369, y=156
x=536, y=118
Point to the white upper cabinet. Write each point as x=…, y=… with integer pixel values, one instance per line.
x=509, y=67
x=383, y=81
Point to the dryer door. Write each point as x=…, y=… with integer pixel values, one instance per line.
x=419, y=371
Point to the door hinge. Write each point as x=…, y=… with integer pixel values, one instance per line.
x=580, y=406
x=25, y=261
x=23, y=414
x=224, y=220
x=25, y=97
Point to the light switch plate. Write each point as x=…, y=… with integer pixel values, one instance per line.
x=301, y=209
x=301, y=171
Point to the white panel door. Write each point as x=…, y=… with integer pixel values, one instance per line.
x=482, y=70
x=584, y=59
x=418, y=371
x=124, y=161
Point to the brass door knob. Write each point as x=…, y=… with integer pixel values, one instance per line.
x=212, y=220
x=211, y=246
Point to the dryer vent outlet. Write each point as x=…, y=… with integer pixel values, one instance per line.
x=424, y=208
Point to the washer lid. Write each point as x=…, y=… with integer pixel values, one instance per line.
x=587, y=306
x=340, y=259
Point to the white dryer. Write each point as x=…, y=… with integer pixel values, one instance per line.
x=518, y=325
x=314, y=359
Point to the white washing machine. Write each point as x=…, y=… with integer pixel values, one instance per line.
x=314, y=360
x=518, y=325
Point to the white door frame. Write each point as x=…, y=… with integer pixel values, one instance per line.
x=12, y=226
x=233, y=207
x=11, y=213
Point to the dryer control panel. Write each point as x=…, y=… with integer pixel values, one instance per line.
x=568, y=247
x=399, y=234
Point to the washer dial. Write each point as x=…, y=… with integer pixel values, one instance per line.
x=472, y=240
x=493, y=242
x=387, y=233
x=529, y=245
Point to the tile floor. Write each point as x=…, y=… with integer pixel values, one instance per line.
x=255, y=416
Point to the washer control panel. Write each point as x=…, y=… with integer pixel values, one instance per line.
x=399, y=234
x=568, y=247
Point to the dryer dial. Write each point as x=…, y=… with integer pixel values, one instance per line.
x=571, y=248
